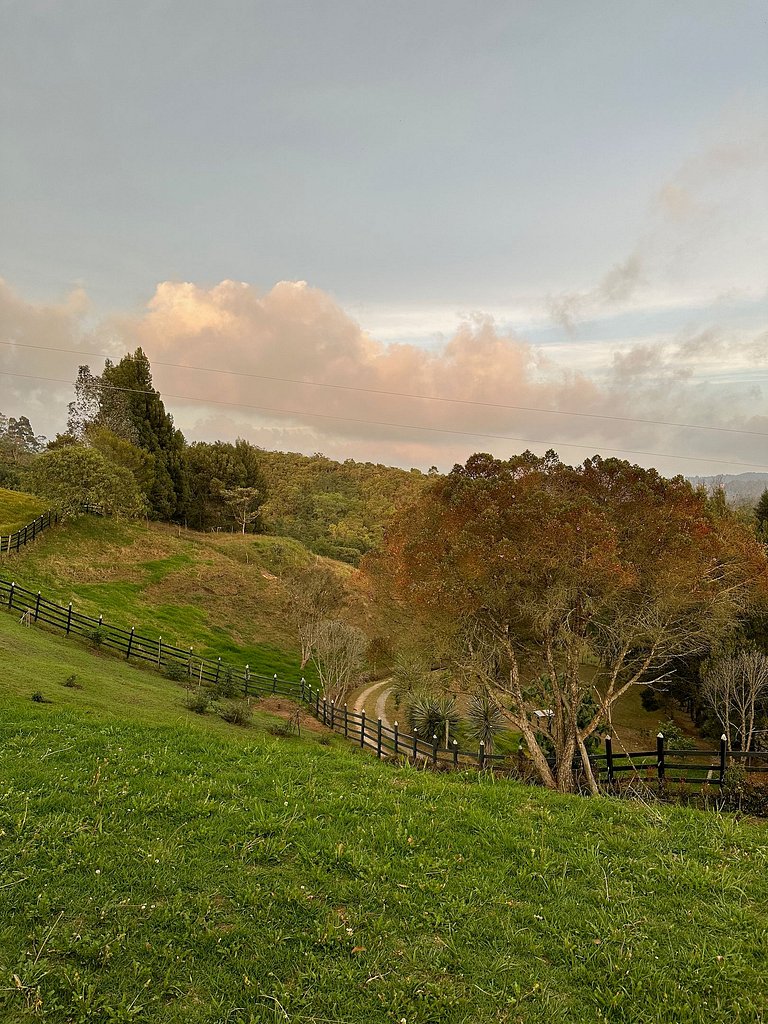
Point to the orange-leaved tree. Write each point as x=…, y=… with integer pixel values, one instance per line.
x=534, y=569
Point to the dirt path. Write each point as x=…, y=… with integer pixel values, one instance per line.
x=373, y=700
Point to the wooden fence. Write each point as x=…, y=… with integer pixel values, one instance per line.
x=17, y=540
x=661, y=764
x=35, y=608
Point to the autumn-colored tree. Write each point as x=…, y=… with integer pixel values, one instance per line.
x=533, y=568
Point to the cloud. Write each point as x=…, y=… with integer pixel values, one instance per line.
x=702, y=235
x=281, y=343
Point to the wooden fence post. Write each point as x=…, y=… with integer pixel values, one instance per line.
x=69, y=617
x=189, y=665
x=130, y=643
x=325, y=705
x=415, y=744
x=609, y=759
x=481, y=755
x=362, y=728
x=37, y=605
x=346, y=721
x=218, y=669
x=159, y=650
x=434, y=747
x=333, y=712
x=247, y=678
x=455, y=753
x=378, y=739
x=303, y=685
x=10, y=595
x=660, y=758
x=274, y=683
x=396, y=734
x=723, y=756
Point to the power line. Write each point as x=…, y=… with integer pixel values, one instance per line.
x=406, y=394
x=300, y=413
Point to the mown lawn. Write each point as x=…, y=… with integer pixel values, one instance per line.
x=17, y=509
x=175, y=872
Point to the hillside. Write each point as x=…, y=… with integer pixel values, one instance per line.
x=173, y=872
x=337, y=509
x=17, y=509
x=217, y=592
x=740, y=488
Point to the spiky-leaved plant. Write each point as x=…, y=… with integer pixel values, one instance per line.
x=485, y=719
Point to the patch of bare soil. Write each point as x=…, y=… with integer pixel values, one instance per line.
x=286, y=709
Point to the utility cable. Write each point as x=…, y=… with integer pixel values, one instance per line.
x=301, y=413
x=406, y=394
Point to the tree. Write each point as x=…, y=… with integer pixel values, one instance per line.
x=337, y=652
x=314, y=593
x=761, y=514
x=531, y=568
x=73, y=476
x=84, y=409
x=123, y=453
x=734, y=687
x=212, y=470
x=244, y=504
x=123, y=401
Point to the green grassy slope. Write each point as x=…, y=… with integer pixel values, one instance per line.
x=17, y=509
x=215, y=592
x=172, y=872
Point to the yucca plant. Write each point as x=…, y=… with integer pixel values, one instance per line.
x=433, y=716
x=485, y=720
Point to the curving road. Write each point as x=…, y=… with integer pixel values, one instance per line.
x=373, y=700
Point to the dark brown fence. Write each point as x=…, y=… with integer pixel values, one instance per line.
x=661, y=764
x=17, y=540
x=35, y=608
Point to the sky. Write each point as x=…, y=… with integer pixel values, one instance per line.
x=552, y=216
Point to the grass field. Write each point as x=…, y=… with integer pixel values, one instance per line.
x=189, y=871
x=218, y=593
x=18, y=509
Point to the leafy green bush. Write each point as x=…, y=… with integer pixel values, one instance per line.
x=96, y=635
x=227, y=687
x=72, y=683
x=176, y=672
x=236, y=712
x=199, y=702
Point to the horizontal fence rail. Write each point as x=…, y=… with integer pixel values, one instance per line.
x=661, y=763
x=26, y=534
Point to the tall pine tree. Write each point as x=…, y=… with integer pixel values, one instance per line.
x=133, y=409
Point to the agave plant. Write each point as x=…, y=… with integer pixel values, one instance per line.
x=485, y=720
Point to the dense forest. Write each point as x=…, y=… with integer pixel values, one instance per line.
x=122, y=450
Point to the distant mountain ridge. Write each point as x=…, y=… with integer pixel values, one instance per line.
x=740, y=488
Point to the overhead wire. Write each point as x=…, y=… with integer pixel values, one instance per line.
x=301, y=413
x=406, y=394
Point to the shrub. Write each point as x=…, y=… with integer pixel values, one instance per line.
x=236, y=712
x=176, y=672
x=38, y=698
x=227, y=686
x=72, y=683
x=650, y=699
x=96, y=635
x=198, y=702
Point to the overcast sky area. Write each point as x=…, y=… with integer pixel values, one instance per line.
x=558, y=207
